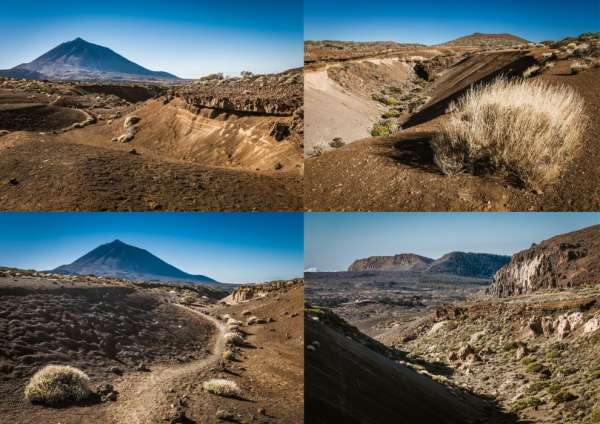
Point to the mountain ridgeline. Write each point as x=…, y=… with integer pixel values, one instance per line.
x=81, y=60
x=478, y=265
x=121, y=260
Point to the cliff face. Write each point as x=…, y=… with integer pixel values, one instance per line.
x=255, y=291
x=402, y=262
x=274, y=94
x=566, y=260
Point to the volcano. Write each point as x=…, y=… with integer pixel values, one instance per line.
x=82, y=60
x=120, y=260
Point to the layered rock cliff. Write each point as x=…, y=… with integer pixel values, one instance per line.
x=567, y=260
x=253, y=291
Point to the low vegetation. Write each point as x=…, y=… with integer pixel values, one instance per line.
x=526, y=129
x=233, y=338
x=222, y=387
x=384, y=127
x=57, y=384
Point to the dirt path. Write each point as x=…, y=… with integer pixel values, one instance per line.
x=330, y=112
x=143, y=398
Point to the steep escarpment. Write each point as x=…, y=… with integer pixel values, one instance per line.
x=480, y=265
x=275, y=94
x=567, y=260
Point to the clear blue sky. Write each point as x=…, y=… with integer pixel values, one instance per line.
x=184, y=37
x=333, y=241
x=229, y=247
x=437, y=21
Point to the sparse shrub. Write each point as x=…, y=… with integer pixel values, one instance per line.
x=534, y=367
x=554, y=388
x=528, y=402
x=392, y=113
x=233, y=338
x=222, y=387
x=563, y=396
x=528, y=360
x=527, y=129
x=212, y=77
x=531, y=71
x=510, y=346
x=578, y=67
x=229, y=355
x=57, y=384
x=187, y=299
x=232, y=321
x=537, y=386
x=383, y=128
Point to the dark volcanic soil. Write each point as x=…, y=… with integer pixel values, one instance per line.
x=90, y=325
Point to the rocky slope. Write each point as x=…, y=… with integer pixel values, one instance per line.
x=371, y=383
x=567, y=260
x=480, y=265
x=117, y=259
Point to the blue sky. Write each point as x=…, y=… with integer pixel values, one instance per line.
x=229, y=247
x=437, y=21
x=333, y=241
x=187, y=38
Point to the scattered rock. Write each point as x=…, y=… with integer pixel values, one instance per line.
x=115, y=370
x=13, y=181
x=142, y=367
x=591, y=325
x=131, y=121
x=132, y=152
x=224, y=415
x=465, y=351
x=280, y=131
x=522, y=352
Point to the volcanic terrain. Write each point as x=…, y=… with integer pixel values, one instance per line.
x=148, y=348
x=399, y=94
x=94, y=140
x=527, y=340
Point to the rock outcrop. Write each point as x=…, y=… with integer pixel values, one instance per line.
x=249, y=292
x=275, y=94
x=566, y=260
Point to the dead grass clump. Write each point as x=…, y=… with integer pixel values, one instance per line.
x=222, y=387
x=229, y=355
x=233, y=338
x=531, y=71
x=58, y=384
x=578, y=67
x=526, y=129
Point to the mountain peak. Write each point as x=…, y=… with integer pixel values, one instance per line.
x=81, y=60
x=121, y=260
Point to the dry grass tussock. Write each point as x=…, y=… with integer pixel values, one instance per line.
x=526, y=129
x=233, y=338
x=57, y=384
x=222, y=387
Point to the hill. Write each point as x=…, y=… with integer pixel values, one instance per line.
x=478, y=39
x=120, y=260
x=81, y=60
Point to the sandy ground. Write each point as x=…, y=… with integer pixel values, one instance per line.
x=330, y=112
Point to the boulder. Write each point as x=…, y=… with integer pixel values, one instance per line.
x=130, y=121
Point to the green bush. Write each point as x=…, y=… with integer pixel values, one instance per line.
x=383, y=128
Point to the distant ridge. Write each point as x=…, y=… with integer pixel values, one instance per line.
x=120, y=260
x=479, y=39
x=82, y=60
x=479, y=265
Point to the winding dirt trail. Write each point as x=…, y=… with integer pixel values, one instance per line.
x=143, y=398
